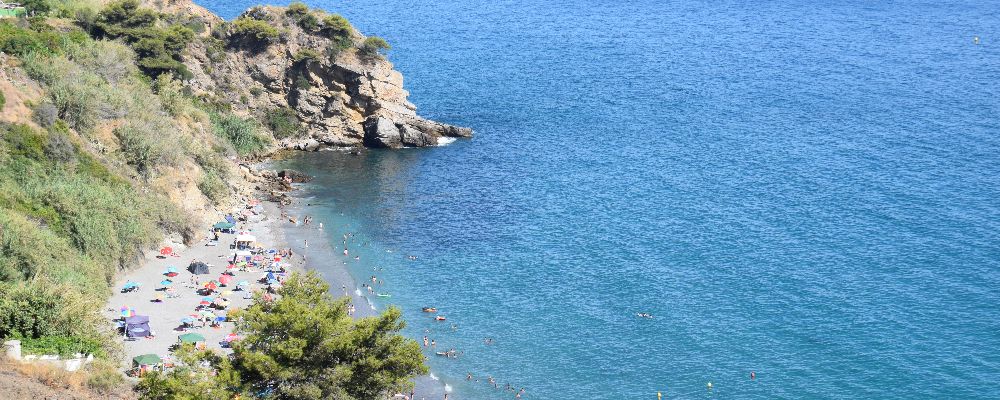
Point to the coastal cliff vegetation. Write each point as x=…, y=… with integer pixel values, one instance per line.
x=110, y=148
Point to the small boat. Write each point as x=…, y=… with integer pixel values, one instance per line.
x=384, y=295
x=439, y=318
x=429, y=309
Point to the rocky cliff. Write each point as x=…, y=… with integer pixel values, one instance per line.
x=342, y=96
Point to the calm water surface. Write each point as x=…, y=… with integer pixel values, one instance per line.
x=807, y=190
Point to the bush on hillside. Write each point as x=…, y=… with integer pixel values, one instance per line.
x=254, y=32
x=213, y=187
x=45, y=114
x=3, y=100
x=305, y=55
x=158, y=49
x=374, y=45
x=283, y=122
x=242, y=133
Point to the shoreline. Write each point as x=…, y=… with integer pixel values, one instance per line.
x=323, y=258
x=272, y=232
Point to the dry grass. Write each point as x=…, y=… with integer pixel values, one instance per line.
x=99, y=380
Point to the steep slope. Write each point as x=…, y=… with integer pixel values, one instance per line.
x=342, y=92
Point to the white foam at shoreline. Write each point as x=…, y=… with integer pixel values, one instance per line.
x=444, y=141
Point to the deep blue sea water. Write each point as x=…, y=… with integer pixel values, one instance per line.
x=805, y=189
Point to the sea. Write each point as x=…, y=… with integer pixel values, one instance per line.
x=805, y=191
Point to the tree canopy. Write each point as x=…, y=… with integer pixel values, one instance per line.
x=304, y=345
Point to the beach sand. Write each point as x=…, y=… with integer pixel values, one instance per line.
x=165, y=316
x=271, y=232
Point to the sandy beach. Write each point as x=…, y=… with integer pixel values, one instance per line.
x=165, y=316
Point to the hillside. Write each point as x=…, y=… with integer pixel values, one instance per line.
x=126, y=127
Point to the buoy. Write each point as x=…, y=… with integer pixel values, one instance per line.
x=709, y=386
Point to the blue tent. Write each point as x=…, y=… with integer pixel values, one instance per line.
x=137, y=326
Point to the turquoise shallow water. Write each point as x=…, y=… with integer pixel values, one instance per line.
x=807, y=190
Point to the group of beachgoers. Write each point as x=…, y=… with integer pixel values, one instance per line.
x=213, y=294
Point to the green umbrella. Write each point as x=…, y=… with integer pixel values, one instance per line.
x=223, y=225
x=191, y=338
x=146, y=359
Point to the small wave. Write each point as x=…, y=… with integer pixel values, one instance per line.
x=444, y=141
x=357, y=292
x=447, y=388
x=433, y=377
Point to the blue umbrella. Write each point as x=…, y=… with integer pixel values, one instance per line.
x=166, y=282
x=187, y=320
x=208, y=299
x=171, y=269
x=130, y=284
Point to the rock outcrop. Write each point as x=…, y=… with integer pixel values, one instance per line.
x=343, y=98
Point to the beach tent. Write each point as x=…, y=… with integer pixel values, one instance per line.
x=137, y=326
x=198, y=268
x=146, y=360
x=223, y=226
x=245, y=240
x=193, y=338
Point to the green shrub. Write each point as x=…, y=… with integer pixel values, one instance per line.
x=336, y=26
x=374, y=45
x=213, y=187
x=305, y=55
x=302, y=83
x=297, y=9
x=283, y=122
x=36, y=7
x=143, y=147
x=45, y=114
x=158, y=49
x=65, y=346
x=242, y=133
x=3, y=100
x=254, y=31
x=309, y=23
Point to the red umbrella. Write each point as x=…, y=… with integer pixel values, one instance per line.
x=225, y=279
x=211, y=285
x=166, y=250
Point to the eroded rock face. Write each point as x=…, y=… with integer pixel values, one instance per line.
x=346, y=100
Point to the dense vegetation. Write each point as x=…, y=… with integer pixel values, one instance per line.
x=301, y=346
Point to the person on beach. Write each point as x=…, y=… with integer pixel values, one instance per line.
x=433, y=343
x=305, y=243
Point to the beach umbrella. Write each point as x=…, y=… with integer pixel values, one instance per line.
x=166, y=251
x=187, y=320
x=227, y=293
x=171, y=269
x=204, y=303
x=166, y=282
x=127, y=312
x=220, y=302
x=207, y=314
x=271, y=251
x=130, y=284
x=212, y=285
x=146, y=359
x=225, y=279
x=191, y=338
x=208, y=298
x=232, y=337
x=159, y=297
x=243, y=283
